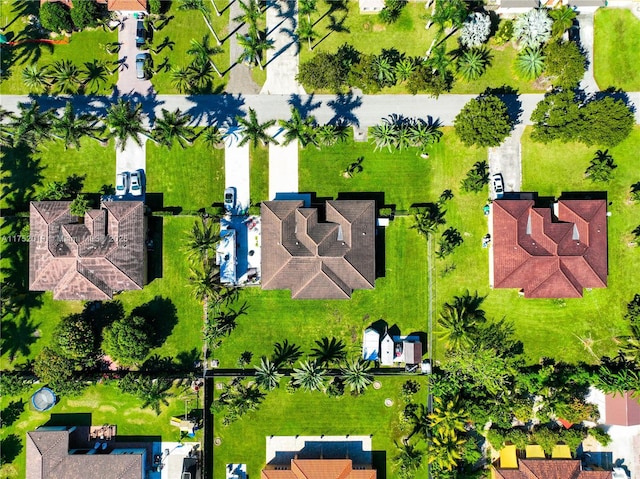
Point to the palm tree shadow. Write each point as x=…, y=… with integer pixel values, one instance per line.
x=336, y=26
x=343, y=107
x=306, y=107
x=17, y=337
x=24, y=175
x=220, y=110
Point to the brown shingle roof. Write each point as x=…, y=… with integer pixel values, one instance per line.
x=318, y=260
x=549, y=257
x=90, y=260
x=319, y=469
x=550, y=469
x=48, y=458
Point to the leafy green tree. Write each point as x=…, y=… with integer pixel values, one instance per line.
x=601, y=167
x=71, y=127
x=529, y=63
x=57, y=371
x=299, y=128
x=75, y=338
x=473, y=63
x=562, y=19
x=267, y=375
x=564, y=63
x=124, y=122
x=484, y=368
x=460, y=319
x=600, y=435
x=607, y=121
x=14, y=384
x=329, y=351
x=253, y=130
x=356, y=375
x=55, y=16
x=483, y=121
x=127, y=340
x=172, y=127
x=533, y=28
x=546, y=439
x=310, y=376
x=504, y=33
x=556, y=117
x=79, y=206
x=85, y=13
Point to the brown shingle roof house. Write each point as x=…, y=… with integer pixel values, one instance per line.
x=319, y=469
x=49, y=457
x=318, y=259
x=549, y=469
x=550, y=253
x=90, y=260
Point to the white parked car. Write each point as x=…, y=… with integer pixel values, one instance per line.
x=122, y=183
x=498, y=185
x=135, y=187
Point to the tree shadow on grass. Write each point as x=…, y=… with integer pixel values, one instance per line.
x=17, y=337
x=161, y=316
x=11, y=413
x=23, y=175
x=10, y=447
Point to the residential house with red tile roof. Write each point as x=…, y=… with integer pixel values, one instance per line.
x=89, y=260
x=549, y=469
x=318, y=259
x=319, y=469
x=550, y=252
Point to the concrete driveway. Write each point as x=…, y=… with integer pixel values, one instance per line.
x=127, y=81
x=133, y=158
x=236, y=170
x=506, y=159
x=588, y=82
x=283, y=165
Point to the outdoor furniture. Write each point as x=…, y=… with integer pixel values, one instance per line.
x=96, y=445
x=561, y=451
x=534, y=451
x=508, y=457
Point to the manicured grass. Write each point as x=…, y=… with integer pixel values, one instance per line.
x=190, y=178
x=616, y=49
x=106, y=405
x=304, y=413
x=181, y=29
x=403, y=176
x=83, y=47
x=259, y=180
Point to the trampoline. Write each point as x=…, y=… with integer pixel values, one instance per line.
x=43, y=399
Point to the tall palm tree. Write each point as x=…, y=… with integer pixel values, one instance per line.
x=95, y=74
x=445, y=452
x=530, y=63
x=202, y=241
x=384, y=135
x=562, y=19
x=173, y=126
x=447, y=419
x=253, y=46
x=202, y=52
x=306, y=32
x=460, y=319
x=213, y=137
x=253, y=130
x=310, y=376
x=428, y=219
x=423, y=133
x=285, y=353
x=307, y=7
x=251, y=12
x=124, y=121
x=35, y=79
x=601, y=167
x=299, y=128
x=473, y=63
x=65, y=77
x=408, y=460
x=71, y=127
x=267, y=375
x=154, y=393
x=181, y=79
x=356, y=375
x=6, y=129
x=329, y=351
x=205, y=281
x=31, y=126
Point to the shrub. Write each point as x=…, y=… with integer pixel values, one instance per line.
x=600, y=435
x=79, y=206
x=517, y=437
x=127, y=340
x=529, y=64
x=155, y=7
x=483, y=121
x=546, y=438
x=564, y=63
x=409, y=388
x=504, y=33
x=496, y=437
x=55, y=16
x=572, y=438
x=533, y=28
x=75, y=339
x=475, y=30
x=85, y=13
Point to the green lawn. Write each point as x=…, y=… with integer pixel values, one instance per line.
x=184, y=27
x=190, y=178
x=304, y=413
x=617, y=49
x=82, y=47
x=259, y=169
x=106, y=405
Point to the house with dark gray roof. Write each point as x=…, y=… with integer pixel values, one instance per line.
x=88, y=258
x=50, y=457
x=314, y=257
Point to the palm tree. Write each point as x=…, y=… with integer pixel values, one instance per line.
x=200, y=77
x=205, y=281
x=213, y=137
x=473, y=63
x=65, y=77
x=267, y=375
x=173, y=126
x=440, y=61
x=202, y=52
x=530, y=63
x=460, y=319
x=31, y=126
x=251, y=13
x=298, y=128
x=356, y=375
x=95, y=73
x=404, y=68
x=353, y=168
x=384, y=135
x=181, y=79
x=329, y=350
x=562, y=19
x=408, y=460
x=385, y=71
x=445, y=452
x=306, y=32
x=310, y=376
x=154, y=393
x=253, y=45
x=124, y=121
x=202, y=241
x=329, y=135
x=6, y=130
x=253, y=130
x=423, y=133
x=601, y=167
x=285, y=353
x=307, y=7
x=428, y=219
x=447, y=419
x=35, y=79
x=70, y=127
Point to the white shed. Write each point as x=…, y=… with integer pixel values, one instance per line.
x=371, y=345
x=386, y=351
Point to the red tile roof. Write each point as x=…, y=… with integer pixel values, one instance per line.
x=314, y=259
x=127, y=5
x=550, y=469
x=87, y=261
x=622, y=410
x=319, y=469
x=550, y=257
